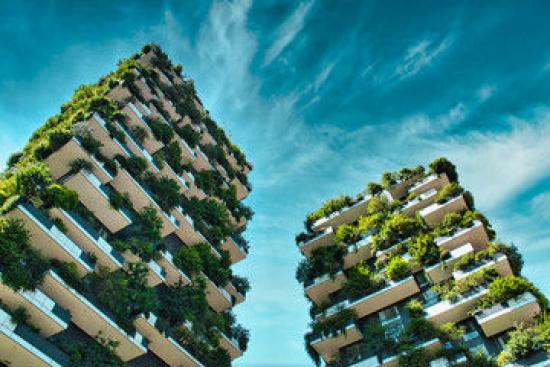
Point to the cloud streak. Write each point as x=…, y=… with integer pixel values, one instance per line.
x=421, y=55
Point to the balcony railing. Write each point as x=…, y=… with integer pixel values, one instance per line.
x=317, y=240
x=434, y=213
x=328, y=346
x=455, y=310
x=475, y=235
x=318, y=289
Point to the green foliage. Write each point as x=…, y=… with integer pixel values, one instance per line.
x=31, y=179
x=89, y=352
x=80, y=164
x=521, y=342
x=172, y=155
x=241, y=284
x=13, y=159
x=374, y=188
x=391, y=178
x=448, y=191
x=59, y=196
x=125, y=292
x=335, y=324
x=397, y=268
x=120, y=201
x=328, y=208
x=362, y=281
x=453, y=289
x=162, y=131
x=415, y=307
x=444, y=166
x=135, y=165
x=150, y=222
x=327, y=260
x=165, y=191
x=22, y=266
x=197, y=258
x=347, y=234
x=453, y=221
x=69, y=273
x=503, y=289
x=415, y=358
x=187, y=133
x=397, y=228
x=211, y=218
x=423, y=250
x=139, y=133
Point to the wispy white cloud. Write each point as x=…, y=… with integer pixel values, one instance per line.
x=540, y=205
x=288, y=31
x=421, y=55
x=485, y=92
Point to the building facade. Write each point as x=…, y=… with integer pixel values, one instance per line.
x=408, y=273
x=121, y=219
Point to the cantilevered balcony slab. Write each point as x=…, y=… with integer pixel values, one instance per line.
x=400, y=189
x=141, y=198
x=430, y=182
x=447, y=311
x=430, y=346
x=236, y=252
x=173, y=274
x=136, y=120
x=110, y=146
x=59, y=161
x=236, y=296
x=96, y=197
x=324, y=238
x=141, y=84
x=21, y=347
x=186, y=230
x=202, y=163
x=502, y=317
x=328, y=346
x=47, y=238
x=500, y=263
x=188, y=153
x=231, y=346
x=165, y=347
x=420, y=202
x=320, y=288
x=360, y=251
x=345, y=215
x=91, y=319
x=218, y=298
x=88, y=239
x=170, y=173
x=474, y=235
x=43, y=312
x=443, y=270
x=194, y=190
x=136, y=149
x=242, y=190
x=155, y=273
x=434, y=213
x=392, y=293
x=120, y=93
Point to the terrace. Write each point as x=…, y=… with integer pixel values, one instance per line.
x=136, y=119
x=236, y=252
x=319, y=289
x=328, y=346
x=474, y=235
x=443, y=270
x=420, y=202
x=430, y=182
x=319, y=239
x=434, y=213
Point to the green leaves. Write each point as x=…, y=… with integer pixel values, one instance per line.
x=444, y=166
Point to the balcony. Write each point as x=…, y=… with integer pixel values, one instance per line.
x=345, y=215
x=500, y=262
x=173, y=273
x=218, y=298
x=170, y=173
x=242, y=190
x=231, y=346
x=141, y=84
x=430, y=182
x=236, y=296
x=358, y=252
x=236, y=252
x=44, y=313
x=19, y=346
x=47, y=238
x=434, y=213
x=187, y=152
x=319, y=289
x=111, y=146
x=328, y=346
x=474, y=235
x=141, y=198
x=120, y=93
x=399, y=189
x=502, y=317
x=92, y=320
x=202, y=163
x=324, y=238
x=137, y=149
x=194, y=190
x=186, y=230
x=443, y=270
x=538, y=359
x=96, y=197
x=420, y=202
x=89, y=239
x=449, y=311
x=164, y=346
x=431, y=345
x=59, y=161
x=136, y=119
x=392, y=293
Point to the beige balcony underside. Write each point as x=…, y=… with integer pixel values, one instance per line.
x=215, y=297
x=97, y=203
x=150, y=143
x=346, y=215
x=235, y=252
x=355, y=256
x=17, y=355
x=329, y=346
x=319, y=293
x=509, y=317
x=476, y=236
x=435, y=215
x=233, y=350
x=87, y=319
x=436, y=183
x=110, y=148
x=325, y=239
x=399, y=190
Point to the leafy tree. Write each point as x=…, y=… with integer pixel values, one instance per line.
x=31, y=179
x=59, y=196
x=443, y=165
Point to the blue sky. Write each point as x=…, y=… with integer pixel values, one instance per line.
x=323, y=96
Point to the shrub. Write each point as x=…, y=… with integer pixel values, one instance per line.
x=165, y=191
x=120, y=201
x=329, y=207
x=161, y=130
x=361, y=281
x=22, y=267
x=396, y=229
x=347, y=234
x=172, y=155
x=69, y=273
x=135, y=165
x=150, y=222
x=80, y=164
x=521, y=342
x=503, y=289
x=414, y=358
x=374, y=188
x=451, y=290
x=423, y=250
x=447, y=192
x=397, y=268
x=334, y=324
x=31, y=179
x=125, y=292
x=442, y=165
x=327, y=259
x=58, y=196
x=187, y=133
x=139, y=133
x=415, y=307
x=13, y=159
x=241, y=284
